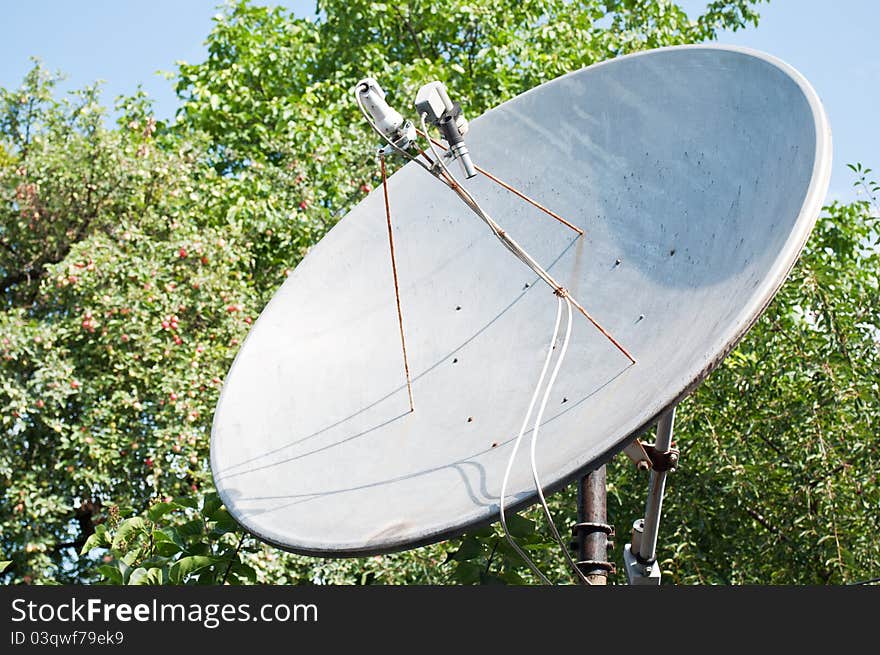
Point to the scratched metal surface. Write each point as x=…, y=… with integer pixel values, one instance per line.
x=701, y=169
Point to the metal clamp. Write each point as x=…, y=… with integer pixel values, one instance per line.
x=589, y=566
x=580, y=531
x=583, y=530
x=589, y=528
x=665, y=460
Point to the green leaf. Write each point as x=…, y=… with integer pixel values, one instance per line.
x=146, y=576
x=187, y=565
x=470, y=548
x=223, y=524
x=485, y=532
x=490, y=579
x=191, y=528
x=97, y=539
x=187, y=501
x=111, y=574
x=164, y=544
x=244, y=572
x=468, y=573
x=4, y=564
x=128, y=531
x=510, y=576
x=138, y=577
x=158, y=510
x=211, y=505
x=519, y=526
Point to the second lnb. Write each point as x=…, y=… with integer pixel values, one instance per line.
x=385, y=118
x=433, y=102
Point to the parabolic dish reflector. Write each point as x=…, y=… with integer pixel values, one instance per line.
x=696, y=174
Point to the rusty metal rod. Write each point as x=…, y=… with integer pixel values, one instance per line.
x=602, y=330
x=396, y=285
x=592, y=508
x=513, y=190
x=656, y=487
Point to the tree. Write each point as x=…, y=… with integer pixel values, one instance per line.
x=135, y=256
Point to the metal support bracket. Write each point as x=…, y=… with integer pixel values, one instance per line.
x=637, y=454
x=640, y=555
x=646, y=457
x=639, y=574
x=665, y=460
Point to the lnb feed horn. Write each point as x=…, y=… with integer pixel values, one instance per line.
x=433, y=102
x=386, y=119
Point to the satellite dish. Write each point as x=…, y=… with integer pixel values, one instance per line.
x=696, y=174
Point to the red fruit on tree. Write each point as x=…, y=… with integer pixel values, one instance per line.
x=182, y=253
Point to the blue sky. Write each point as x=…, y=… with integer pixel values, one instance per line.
x=125, y=43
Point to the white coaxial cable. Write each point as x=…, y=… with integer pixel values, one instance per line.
x=580, y=576
x=516, y=444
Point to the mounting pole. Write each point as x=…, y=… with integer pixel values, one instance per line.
x=640, y=555
x=592, y=531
